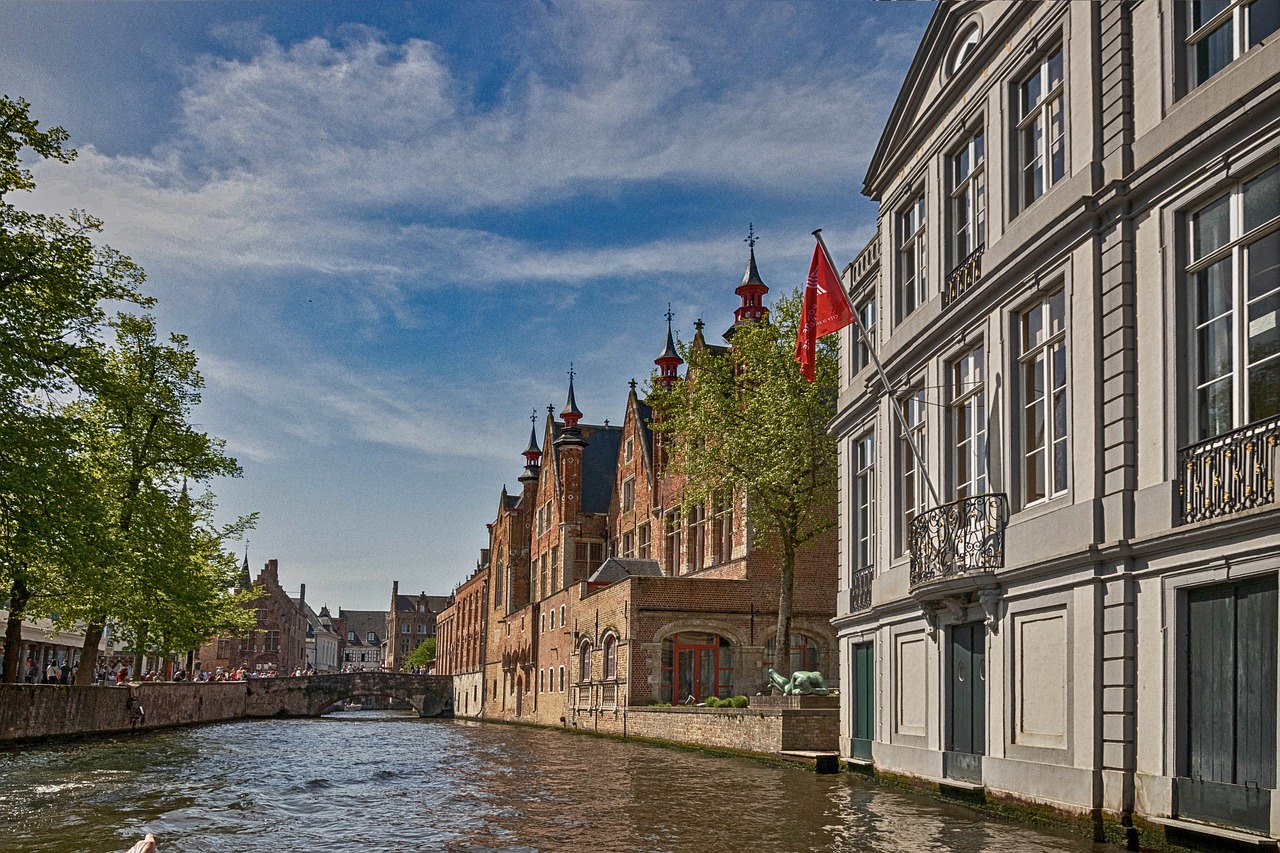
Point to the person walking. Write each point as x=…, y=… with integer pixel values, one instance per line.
x=51, y=673
x=33, y=672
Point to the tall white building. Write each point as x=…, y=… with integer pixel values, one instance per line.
x=1075, y=292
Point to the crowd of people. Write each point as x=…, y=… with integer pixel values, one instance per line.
x=120, y=673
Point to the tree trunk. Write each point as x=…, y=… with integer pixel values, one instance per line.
x=786, y=586
x=18, y=597
x=89, y=653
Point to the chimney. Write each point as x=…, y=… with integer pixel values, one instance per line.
x=302, y=594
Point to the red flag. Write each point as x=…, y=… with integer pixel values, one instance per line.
x=826, y=309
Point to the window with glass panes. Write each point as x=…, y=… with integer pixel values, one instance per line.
x=969, y=424
x=1219, y=31
x=912, y=258
x=724, y=528
x=1043, y=367
x=642, y=545
x=610, y=668
x=968, y=199
x=674, y=541
x=628, y=494
x=864, y=501
x=1233, y=280
x=697, y=536
x=629, y=544
x=913, y=494
x=866, y=311
x=803, y=653
x=584, y=663
x=1041, y=147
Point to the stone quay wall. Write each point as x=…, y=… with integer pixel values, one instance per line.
x=767, y=731
x=36, y=712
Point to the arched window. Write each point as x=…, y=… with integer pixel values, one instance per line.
x=697, y=664
x=610, y=657
x=804, y=653
x=963, y=47
x=371, y=637
x=584, y=663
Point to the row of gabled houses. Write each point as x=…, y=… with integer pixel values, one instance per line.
x=291, y=636
x=1058, y=527
x=595, y=593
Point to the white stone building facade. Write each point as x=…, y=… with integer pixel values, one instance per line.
x=1075, y=293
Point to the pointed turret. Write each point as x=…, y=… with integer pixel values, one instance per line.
x=571, y=434
x=751, y=291
x=532, y=453
x=669, y=362
x=245, y=580
x=570, y=414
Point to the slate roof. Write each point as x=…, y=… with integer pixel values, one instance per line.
x=361, y=622
x=409, y=603
x=599, y=466
x=620, y=568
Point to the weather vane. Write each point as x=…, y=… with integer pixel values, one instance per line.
x=669, y=315
x=751, y=236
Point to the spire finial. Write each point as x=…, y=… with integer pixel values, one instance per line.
x=669, y=315
x=570, y=414
x=698, y=324
x=533, y=417
x=632, y=383
x=751, y=236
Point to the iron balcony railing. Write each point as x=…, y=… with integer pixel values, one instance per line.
x=1229, y=473
x=860, y=590
x=960, y=537
x=961, y=279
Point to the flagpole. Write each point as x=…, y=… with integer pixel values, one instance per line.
x=871, y=351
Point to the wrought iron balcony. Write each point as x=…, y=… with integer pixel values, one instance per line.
x=1229, y=473
x=860, y=590
x=961, y=279
x=958, y=538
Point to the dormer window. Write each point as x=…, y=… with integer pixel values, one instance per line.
x=965, y=45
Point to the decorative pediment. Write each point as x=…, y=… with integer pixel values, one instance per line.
x=951, y=49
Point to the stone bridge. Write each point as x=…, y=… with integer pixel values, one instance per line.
x=313, y=695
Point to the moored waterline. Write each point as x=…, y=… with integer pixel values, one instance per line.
x=363, y=780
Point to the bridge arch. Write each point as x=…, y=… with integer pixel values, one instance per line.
x=312, y=695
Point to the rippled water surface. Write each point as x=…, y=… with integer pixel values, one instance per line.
x=368, y=782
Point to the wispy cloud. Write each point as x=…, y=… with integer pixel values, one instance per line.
x=356, y=156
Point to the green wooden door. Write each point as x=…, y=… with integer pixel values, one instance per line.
x=1228, y=759
x=967, y=699
x=863, y=704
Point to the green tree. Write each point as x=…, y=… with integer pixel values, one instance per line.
x=747, y=423
x=53, y=283
x=159, y=570
x=424, y=654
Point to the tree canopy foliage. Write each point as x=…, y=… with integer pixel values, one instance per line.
x=745, y=422
x=97, y=524
x=424, y=654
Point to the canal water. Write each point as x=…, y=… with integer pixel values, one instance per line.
x=373, y=782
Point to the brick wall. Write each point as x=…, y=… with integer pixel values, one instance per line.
x=37, y=712
x=766, y=731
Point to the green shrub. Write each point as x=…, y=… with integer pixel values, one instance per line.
x=713, y=702
x=740, y=701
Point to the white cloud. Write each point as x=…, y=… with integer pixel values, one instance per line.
x=308, y=156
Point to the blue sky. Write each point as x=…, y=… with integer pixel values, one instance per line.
x=389, y=228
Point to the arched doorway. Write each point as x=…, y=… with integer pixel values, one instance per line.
x=697, y=664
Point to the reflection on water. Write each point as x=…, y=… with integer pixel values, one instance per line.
x=367, y=781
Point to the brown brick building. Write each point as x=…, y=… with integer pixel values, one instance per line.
x=278, y=643
x=411, y=619
x=602, y=595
